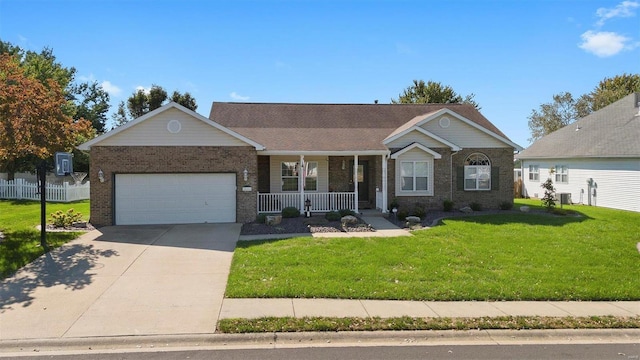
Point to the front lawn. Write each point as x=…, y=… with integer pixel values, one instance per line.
x=21, y=243
x=510, y=256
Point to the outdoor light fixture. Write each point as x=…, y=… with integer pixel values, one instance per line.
x=101, y=175
x=344, y=164
x=245, y=173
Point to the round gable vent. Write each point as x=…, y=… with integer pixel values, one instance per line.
x=444, y=122
x=174, y=126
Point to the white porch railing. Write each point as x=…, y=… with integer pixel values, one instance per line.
x=320, y=202
x=19, y=189
x=379, y=200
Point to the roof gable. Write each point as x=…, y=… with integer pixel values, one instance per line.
x=435, y=155
x=612, y=131
x=172, y=125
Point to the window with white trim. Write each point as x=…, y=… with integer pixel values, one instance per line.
x=414, y=175
x=534, y=173
x=477, y=172
x=290, y=172
x=562, y=174
x=311, y=176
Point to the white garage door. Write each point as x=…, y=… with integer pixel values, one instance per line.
x=175, y=198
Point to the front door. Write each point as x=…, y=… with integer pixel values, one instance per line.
x=363, y=180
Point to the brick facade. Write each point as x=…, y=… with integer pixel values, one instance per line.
x=170, y=159
x=446, y=184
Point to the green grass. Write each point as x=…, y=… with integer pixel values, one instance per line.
x=492, y=257
x=289, y=324
x=21, y=244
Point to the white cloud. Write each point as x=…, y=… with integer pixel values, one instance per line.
x=604, y=44
x=110, y=88
x=89, y=78
x=238, y=97
x=624, y=9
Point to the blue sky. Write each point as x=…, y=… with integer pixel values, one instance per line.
x=513, y=55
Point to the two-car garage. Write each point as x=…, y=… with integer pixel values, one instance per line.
x=174, y=198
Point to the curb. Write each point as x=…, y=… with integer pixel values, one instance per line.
x=147, y=343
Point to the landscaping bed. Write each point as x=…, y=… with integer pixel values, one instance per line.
x=302, y=225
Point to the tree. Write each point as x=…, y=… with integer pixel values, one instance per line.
x=120, y=116
x=33, y=124
x=552, y=116
x=142, y=102
x=185, y=100
x=610, y=90
x=92, y=104
x=432, y=92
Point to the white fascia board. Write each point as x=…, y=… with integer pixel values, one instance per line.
x=470, y=123
x=416, y=145
x=417, y=128
x=324, y=153
x=172, y=105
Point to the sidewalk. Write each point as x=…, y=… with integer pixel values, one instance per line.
x=256, y=308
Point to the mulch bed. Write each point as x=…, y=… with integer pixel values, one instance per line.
x=301, y=225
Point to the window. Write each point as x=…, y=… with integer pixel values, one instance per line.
x=311, y=178
x=562, y=174
x=414, y=175
x=477, y=172
x=289, y=174
x=534, y=173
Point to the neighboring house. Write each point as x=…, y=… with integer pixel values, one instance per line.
x=173, y=165
x=596, y=159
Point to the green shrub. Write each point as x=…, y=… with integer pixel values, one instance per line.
x=394, y=204
x=261, y=218
x=475, y=206
x=419, y=211
x=345, y=212
x=402, y=215
x=290, y=212
x=447, y=205
x=506, y=205
x=62, y=219
x=333, y=216
x=548, y=200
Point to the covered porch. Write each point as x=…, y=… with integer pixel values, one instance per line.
x=330, y=181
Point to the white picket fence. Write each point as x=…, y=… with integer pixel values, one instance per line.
x=19, y=189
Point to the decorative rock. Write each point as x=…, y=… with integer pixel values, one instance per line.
x=80, y=224
x=524, y=208
x=273, y=219
x=466, y=210
x=413, y=220
x=349, y=220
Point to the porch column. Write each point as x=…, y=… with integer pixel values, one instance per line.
x=301, y=170
x=355, y=181
x=384, y=184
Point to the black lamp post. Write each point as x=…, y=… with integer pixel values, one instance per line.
x=307, y=208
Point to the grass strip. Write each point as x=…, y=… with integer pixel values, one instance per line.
x=290, y=324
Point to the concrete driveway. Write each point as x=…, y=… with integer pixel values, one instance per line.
x=122, y=280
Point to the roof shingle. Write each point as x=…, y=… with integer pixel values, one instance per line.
x=328, y=127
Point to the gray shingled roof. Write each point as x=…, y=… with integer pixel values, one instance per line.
x=328, y=127
x=613, y=131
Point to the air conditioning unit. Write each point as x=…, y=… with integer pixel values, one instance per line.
x=565, y=198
